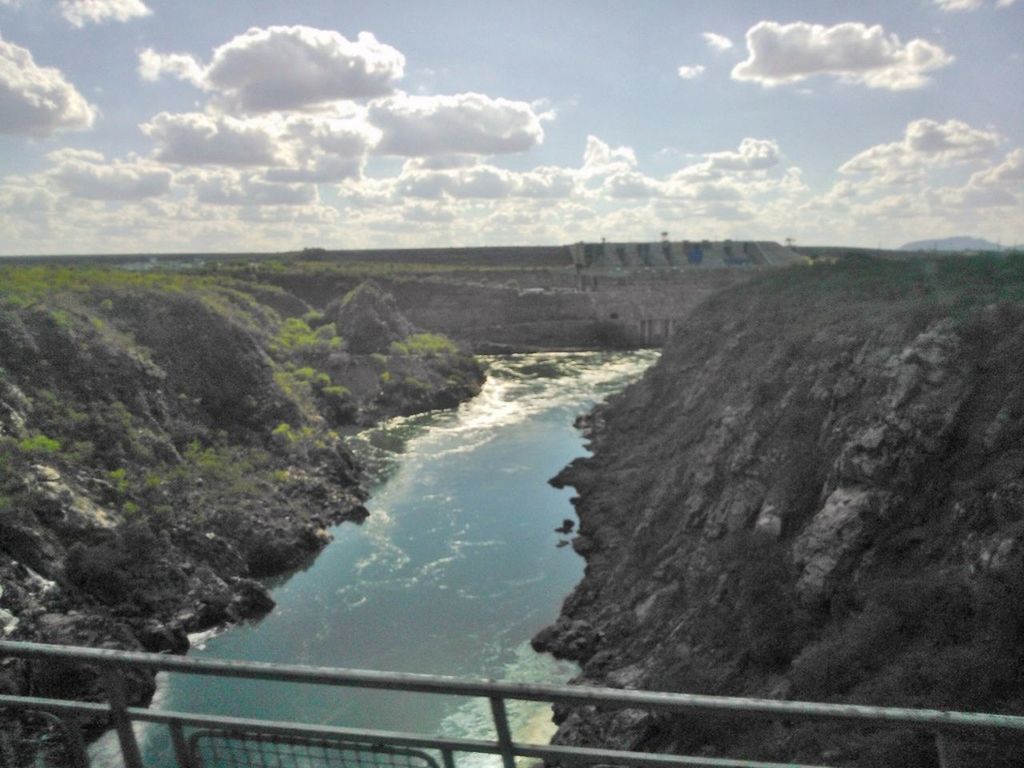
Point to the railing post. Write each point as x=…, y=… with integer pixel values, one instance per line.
x=508, y=756
x=181, y=752
x=446, y=757
x=114, y=684
x=942, y=747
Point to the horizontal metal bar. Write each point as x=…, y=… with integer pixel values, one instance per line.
x=395, y=738
x=57, y=706
x=436, y=684
x=423, y=741
x=308, y=730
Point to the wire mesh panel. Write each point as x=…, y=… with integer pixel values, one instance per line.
x=40, y=740
x=229, y=749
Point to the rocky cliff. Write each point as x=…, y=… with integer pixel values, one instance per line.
x=166, y=439
x=816, y=494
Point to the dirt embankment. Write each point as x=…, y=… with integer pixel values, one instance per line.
x=816, y=494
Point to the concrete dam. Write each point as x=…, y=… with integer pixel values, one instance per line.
x=607, y=294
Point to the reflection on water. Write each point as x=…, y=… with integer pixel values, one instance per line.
x=452, y=573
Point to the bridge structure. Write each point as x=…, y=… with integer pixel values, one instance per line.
x=214, y=741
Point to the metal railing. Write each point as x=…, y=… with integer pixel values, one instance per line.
x=246, y=741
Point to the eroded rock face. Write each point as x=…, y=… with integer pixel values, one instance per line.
x=164, y=443
x=837, y=533
x=784, y=477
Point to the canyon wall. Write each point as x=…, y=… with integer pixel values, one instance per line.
x=816, y=494
x=167, y=439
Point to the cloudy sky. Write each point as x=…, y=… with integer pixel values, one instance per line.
x=174, y=125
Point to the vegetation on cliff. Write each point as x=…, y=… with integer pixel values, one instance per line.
x=168, y=437
x=816, y=494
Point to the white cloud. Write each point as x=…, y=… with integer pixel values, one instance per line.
x=82, y=12
x=442, y=162
x=286, y=68
x=1009, y=171
x=691, y=72
x=425, y=214
x=970, y=5
x=951, y=141
x=600, y=159
x=717, y=42
x=37, y=101
x=717, y=192
x=89, y=175
x=546, y=182
x=198, y=139
x=466, y=123
x=342, y=137
x=925, y=144
x=752, y=155
x=631, y=184
x=483, y=182
x=234, y=188
x=326, y=168
x=855, y=53
x=973, y=197
x=153, y=65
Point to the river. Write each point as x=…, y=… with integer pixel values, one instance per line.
x=455, y=569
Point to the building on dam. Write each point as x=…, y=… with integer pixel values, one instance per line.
x=607, y=257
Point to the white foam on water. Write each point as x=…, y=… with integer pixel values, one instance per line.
x=400, y=450
x=512, y=393
x=529, y=721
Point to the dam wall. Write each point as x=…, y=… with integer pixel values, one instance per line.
x=527, y=310
x=620, y=314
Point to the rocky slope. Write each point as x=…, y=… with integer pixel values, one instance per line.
x=167, y=439
x=816, y=494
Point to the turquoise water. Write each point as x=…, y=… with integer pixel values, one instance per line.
x=452, y=573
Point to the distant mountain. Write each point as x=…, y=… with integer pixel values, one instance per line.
x=952, y=244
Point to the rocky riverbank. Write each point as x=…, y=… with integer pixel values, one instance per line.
x=166, y=439
x=816, y=494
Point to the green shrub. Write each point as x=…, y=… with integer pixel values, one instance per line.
x=297, y=336
x=62, y=318
x=119, y=479
x=318, y=379
x=336, y=390
x=39, y=445
x=283, y=430
x=325, y=335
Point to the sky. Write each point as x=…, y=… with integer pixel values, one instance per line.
x=133, y=126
